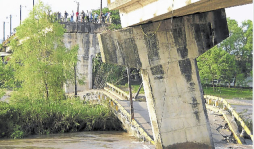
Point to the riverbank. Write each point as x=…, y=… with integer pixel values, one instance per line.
x=21, y=118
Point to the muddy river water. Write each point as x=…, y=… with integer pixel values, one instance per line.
x=79, y=140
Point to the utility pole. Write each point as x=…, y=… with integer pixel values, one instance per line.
x=33, y=3
x=4, y=31
x=100, y=10
x=10, y=25
x=77, y=6
x=131, y=102
x=75, y=81
x=20, y=16
x=21, y=13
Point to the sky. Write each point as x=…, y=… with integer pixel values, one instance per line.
x=12, y=7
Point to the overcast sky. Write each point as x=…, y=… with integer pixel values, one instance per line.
x=7, y=7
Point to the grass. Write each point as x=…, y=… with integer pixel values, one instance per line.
x=24, y=117
x=229, y=93
x=224, y=92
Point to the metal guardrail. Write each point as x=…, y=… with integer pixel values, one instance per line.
x=226, y=106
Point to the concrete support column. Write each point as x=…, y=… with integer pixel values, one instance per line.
x=177, y=111
x=166, y=53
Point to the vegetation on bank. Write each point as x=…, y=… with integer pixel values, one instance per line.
x=23, y=117
x=229, y=93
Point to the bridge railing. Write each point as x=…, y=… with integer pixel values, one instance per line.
x=105, y=97
x=120, y=93
x=225, y=106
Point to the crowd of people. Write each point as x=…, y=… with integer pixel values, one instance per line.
x=82, y=16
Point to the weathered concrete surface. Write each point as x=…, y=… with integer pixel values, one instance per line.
x=88, y=48
x=133, y=12
x=166, y=54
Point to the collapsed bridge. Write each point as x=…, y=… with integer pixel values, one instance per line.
x=165, y=48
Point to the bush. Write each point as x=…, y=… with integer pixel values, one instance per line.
x=25, y=117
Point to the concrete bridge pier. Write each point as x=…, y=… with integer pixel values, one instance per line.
x=176, y=106
x=166, y=53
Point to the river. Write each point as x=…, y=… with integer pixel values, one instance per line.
x=78, y=140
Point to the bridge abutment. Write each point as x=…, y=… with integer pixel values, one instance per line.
x=166, y=53
x=83, y=34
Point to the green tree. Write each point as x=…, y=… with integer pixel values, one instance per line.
x=215, y=64
x=246, y=53
x=115, y=18
x=233, y=43
x=240, y=43
x=227, y=66
x=41, y=62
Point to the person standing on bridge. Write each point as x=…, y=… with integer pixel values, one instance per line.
x=83, y=16
x=77, y=14
x=90, y=16
x=105, y=15
x=102, y=18
x=72, y=14
x=108, y=17
x=87, y=16
x=60, y=16
x=65, y=16
x=95, y=17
